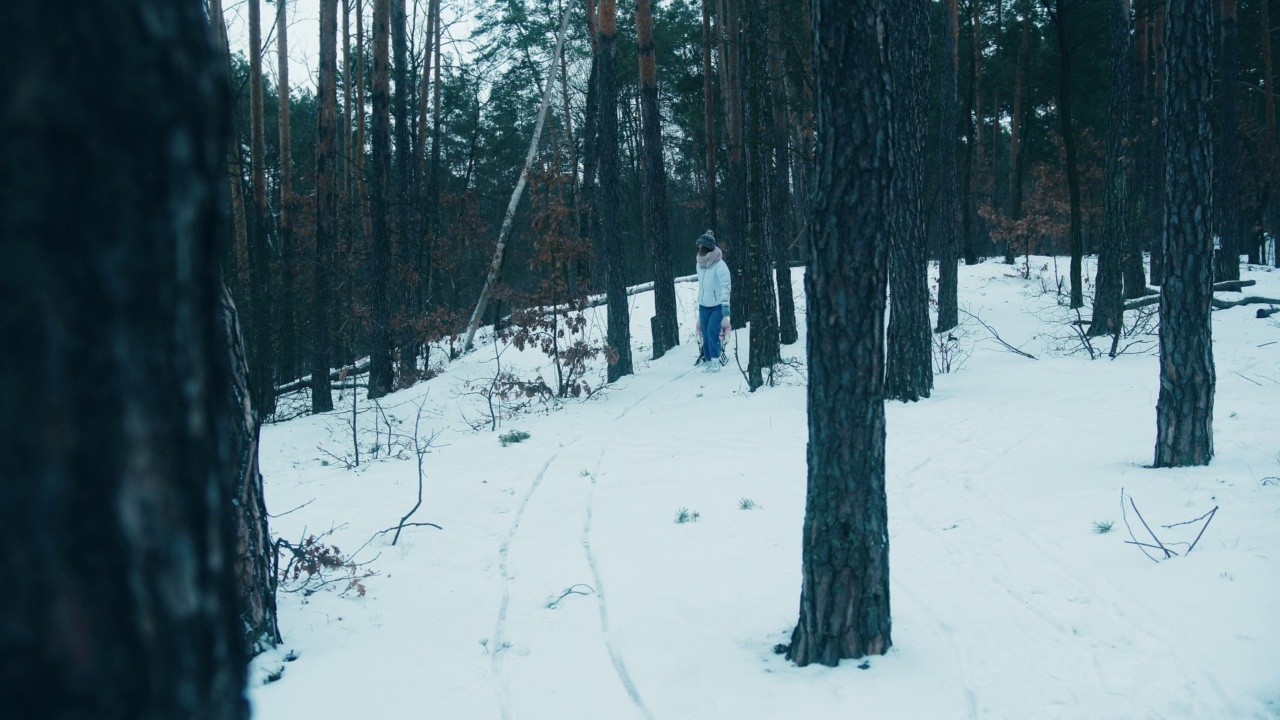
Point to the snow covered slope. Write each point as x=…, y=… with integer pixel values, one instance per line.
x=562, y=587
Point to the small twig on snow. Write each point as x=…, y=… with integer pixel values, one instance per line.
x=1212, y=512
x=1167, y=552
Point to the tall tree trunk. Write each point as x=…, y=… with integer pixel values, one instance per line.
x=1108, y=303
x=288, y=253
x=587, y=220
x=1157, y=136
x=734, y=239
x=238, y=269
x=844, y=595
x=780, y=179
x=1069, y=145
x=380, y=375
x=408, y=241
x=973, y=140
x=116, y=426
x=1184, y=410
x=362, y=189
x=619, y=333
x=326, y=213
x=665, y=327
x=1016, y=124
x=948, y=183
x=1227, y=203
x=1139, y=235
x=909, y=362
x=261, y=349
x=764, y=350
x=708, y=113
x=1269, y=109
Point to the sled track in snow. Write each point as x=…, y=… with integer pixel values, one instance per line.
x=619, y=665
x=500, y=644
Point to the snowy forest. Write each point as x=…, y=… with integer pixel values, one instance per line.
x=568, y=359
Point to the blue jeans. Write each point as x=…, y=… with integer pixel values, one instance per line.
x=711, y=318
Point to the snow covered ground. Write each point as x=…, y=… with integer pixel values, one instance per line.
x=562, y=587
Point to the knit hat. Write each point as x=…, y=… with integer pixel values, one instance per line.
x=708, y=240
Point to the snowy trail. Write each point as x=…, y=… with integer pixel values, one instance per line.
x=551, y=565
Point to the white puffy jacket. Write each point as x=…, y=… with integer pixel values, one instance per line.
x=715, y=285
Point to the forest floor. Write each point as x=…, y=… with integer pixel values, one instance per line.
x=562, y=586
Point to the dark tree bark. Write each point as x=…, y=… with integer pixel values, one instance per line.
x=380, y=377
x=1156, y=150
x=288, y=251
x=326, y=212
x=948, y=177
x=1108, y=301
x=666, y=328
x=235, y=267
x=587, y=219
x=255, y=553
x=619, y=333
x=261, y=348
x=734, y=239
x=1226, y=204
x=708, y=113
x=844, y=596
x=909, y=363
x=1184, y=411
x=1269, y=109
x=116, y=429
x=763, y=311
x=1067, y=129
x=1139, y=236
x=1016, y=125
x=407, y=238
x=973, y=141
x=780, y=226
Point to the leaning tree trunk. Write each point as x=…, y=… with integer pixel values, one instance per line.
x=619, y=333
x=948, y=182
x=763, y=311
x=326, y=212
x=1184, y=411
x=1108, y=300
x=666, y=329
x=116, y=430
x=1066, y=128
x=844, y=596
x=380, y=376
x=909, y=363
x=780, y=179
x=262, y=300
x=1226, y=204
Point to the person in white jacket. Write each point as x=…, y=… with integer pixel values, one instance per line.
x=715, y=285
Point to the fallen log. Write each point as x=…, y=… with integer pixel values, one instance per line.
x=359, y=368
x=1247, y=300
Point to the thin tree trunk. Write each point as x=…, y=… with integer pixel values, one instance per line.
x=1269, y=105
x=764, y=350
x=381, y=380
x=1184, y=410
x=1069, y=145
x=1016, y=124
x=499, y=253
x=1139, y=236
x=408, y=241
x=235, y=174
x=666, y=328
x=326, y=213
x=844, y=596
x=117, y=429
x=973, y=140
x=1108, y=301
x=1157, y=136
x=288, y=253
x=734, y=239
x=261, y=350
x=1227, y=203
x=587, y=220
x=619, y=333
x=909, y=361
x=780, y=179
x=708, y=114
x=949, y=253
x=362, y=188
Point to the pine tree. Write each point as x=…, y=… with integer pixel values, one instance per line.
x=619, y=333
x=326, y=213
x=1108, y=303
x=844, y=596
x=948, y=180
x=380, y=377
